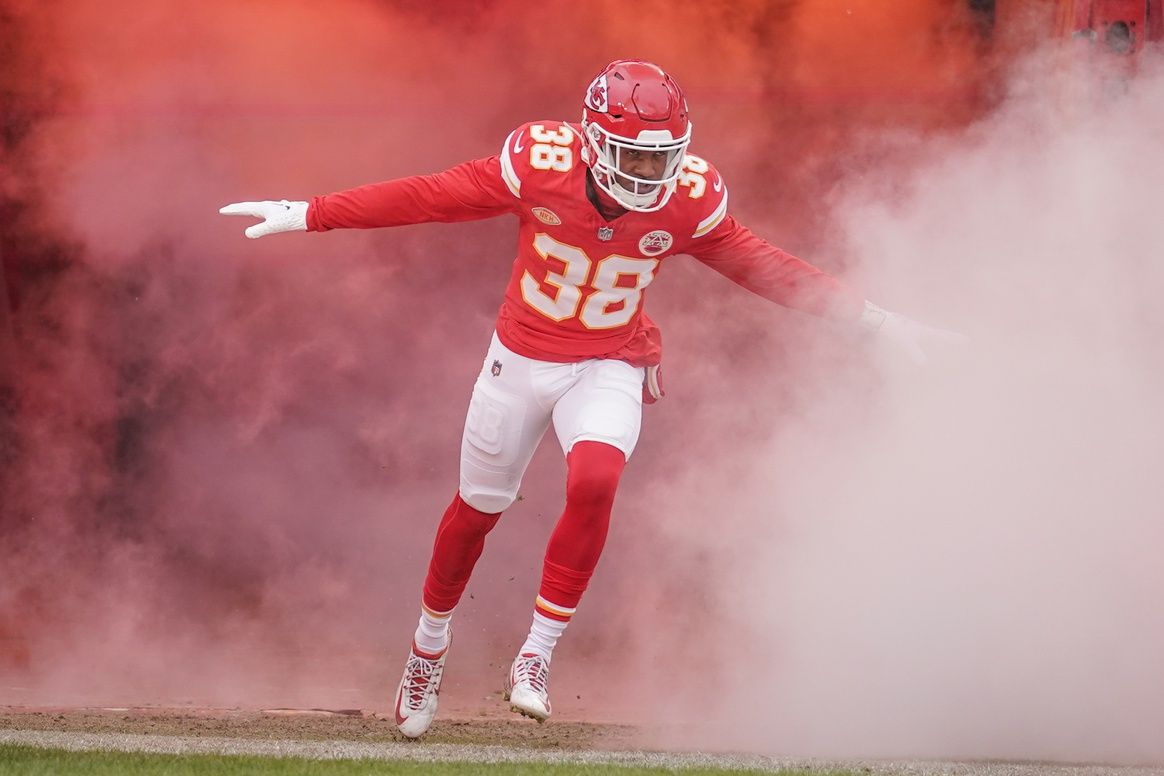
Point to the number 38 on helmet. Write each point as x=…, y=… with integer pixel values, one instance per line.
x=634, y=107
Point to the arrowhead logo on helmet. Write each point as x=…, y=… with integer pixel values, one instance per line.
x=596, y=96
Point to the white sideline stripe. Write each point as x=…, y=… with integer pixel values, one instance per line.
x=357, y=750
x=422, y=752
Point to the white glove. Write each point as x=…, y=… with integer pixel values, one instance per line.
x=281, y=216
x=907, y=335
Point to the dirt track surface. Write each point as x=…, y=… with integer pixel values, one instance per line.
x=330, y=735
x=314, y=725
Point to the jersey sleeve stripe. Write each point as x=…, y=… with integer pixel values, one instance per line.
x=508, y=174
x=712, y=221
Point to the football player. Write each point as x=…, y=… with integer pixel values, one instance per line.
x=602, y=204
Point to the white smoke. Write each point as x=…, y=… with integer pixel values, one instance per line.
x=965, y=560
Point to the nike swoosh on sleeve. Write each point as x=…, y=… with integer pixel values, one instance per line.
x=517, y=147
x=718, y=185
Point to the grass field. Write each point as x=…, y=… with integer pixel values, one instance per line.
x=33, y=761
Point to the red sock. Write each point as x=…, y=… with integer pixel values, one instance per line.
x=459, y=542
x=593, y=471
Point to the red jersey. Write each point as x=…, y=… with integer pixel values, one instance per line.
x=579, y=280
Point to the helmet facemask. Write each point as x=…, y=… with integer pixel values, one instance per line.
x=604, y=152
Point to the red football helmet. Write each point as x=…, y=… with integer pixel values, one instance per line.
x=634, y=106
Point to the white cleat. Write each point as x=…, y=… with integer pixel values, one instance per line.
x=527, y=686
x=416, y=700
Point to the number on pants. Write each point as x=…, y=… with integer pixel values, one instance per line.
x=602, y=309
x=485, y=424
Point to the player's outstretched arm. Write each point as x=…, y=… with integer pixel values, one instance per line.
x=913, y=338
x=281, y=216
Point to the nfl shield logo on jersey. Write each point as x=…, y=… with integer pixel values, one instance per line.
x=496, y=368
x=654, y=243
x=605, y=233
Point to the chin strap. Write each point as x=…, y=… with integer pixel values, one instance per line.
x=626, y=197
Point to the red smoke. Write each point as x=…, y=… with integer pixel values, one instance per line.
x=226, y=459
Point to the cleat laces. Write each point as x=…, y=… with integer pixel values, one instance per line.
x=533, y=670
x=422, y=674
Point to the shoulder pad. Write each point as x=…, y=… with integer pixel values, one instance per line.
x=539, y=146
x=701, y=188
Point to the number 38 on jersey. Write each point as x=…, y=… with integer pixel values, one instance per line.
x=551, y=150
x=618, y=283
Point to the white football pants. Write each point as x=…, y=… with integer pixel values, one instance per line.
x=514, y=400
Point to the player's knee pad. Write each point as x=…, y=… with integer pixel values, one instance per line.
x=482, y=500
